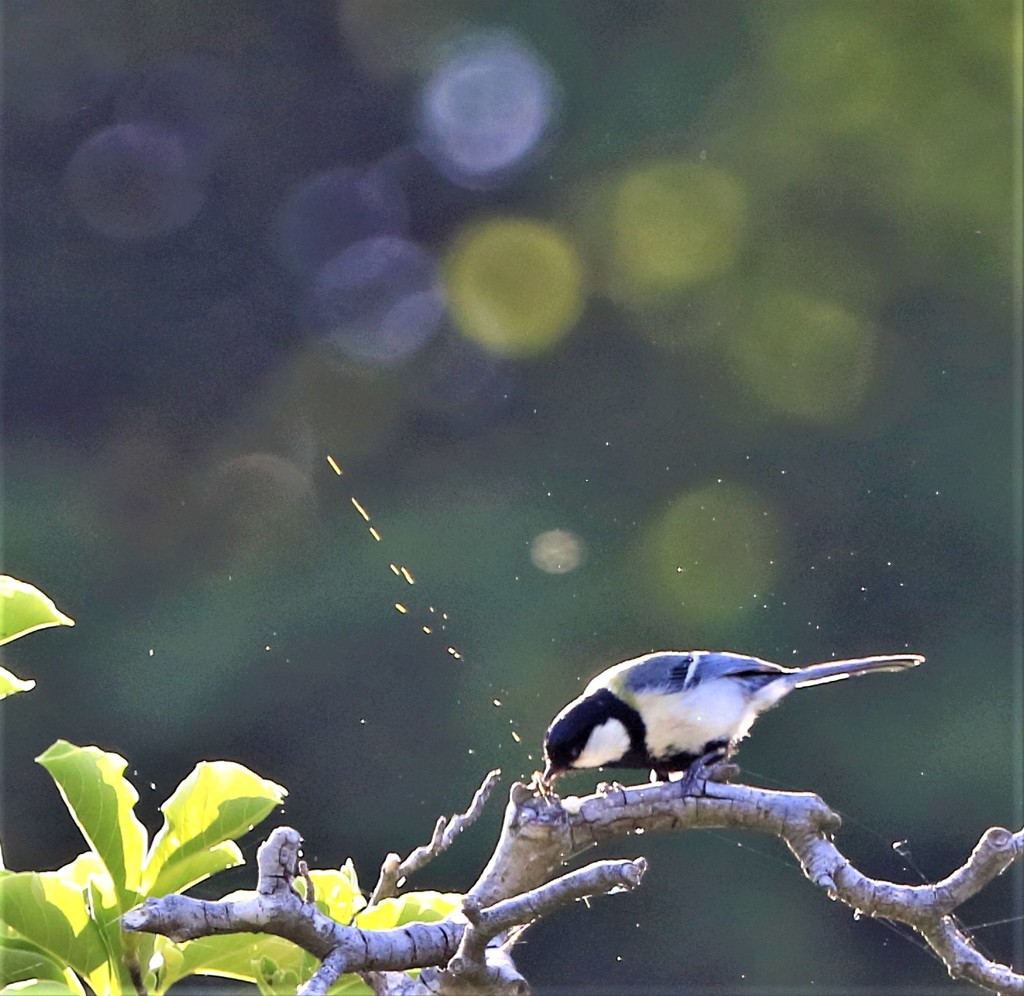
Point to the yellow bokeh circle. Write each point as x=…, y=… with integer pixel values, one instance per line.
x=514, y=286
x=711, y=554
x=674, y=223
x=803, y=356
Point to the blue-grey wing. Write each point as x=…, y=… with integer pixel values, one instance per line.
x=675, y=671
x=668, y=670
x=710, y=665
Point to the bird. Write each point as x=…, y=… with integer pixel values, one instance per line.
x=681, y=711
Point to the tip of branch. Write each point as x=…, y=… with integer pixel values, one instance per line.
x=640, y=864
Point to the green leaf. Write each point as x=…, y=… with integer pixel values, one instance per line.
x=219, y=801
x=337, y=891
x=50, y=912
x=24, y=608
x=102, y=803
x=165, y=966
x=11, y=684
x=20, y=960
x=265, y=960
x=185, y=871
x=104, y=911
x=414, y=907
x=39, y=987
x=88, y=868
x=242, y=956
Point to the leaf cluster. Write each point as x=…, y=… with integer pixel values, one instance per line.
x=60, y=931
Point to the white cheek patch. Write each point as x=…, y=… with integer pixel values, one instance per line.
x=606, y=743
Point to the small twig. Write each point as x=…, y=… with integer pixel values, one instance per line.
x=925, y=908
x=485, y=925
x=394, y=870
x=332, y=968
x=135, y=972
x=307, y=878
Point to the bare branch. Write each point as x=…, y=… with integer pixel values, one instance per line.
x=276, y=908
x=540, y=834
x=485, y=925
x=332, y=968
x=470, y=952
x=964, y=961
x=393, y=870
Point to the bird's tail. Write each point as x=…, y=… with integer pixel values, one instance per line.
x=818, y=674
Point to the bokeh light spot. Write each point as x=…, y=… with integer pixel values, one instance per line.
x=134, y=181
x=197, y=96
x=674, y=223
x=803, y=356
x=840, y=68
x=485, y=109
x=377, y=302
x=249, y=502
x=709, y=554
x=515, y=287
x=557, y=551
x=325, y=213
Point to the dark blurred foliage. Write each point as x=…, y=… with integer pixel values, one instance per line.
x=726, y=360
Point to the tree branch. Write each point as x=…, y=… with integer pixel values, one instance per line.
x=393, y=871
x=541, y=834
x=485, y=925
x=470, y=952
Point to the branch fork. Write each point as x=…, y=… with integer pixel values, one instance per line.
x=470, y=951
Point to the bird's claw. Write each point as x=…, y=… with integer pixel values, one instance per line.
x=710, y=768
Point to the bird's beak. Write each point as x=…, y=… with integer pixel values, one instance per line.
x=550, y=773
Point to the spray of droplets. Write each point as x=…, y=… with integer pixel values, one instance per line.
x=436, y=621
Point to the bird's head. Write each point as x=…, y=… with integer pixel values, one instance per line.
x=592, y=731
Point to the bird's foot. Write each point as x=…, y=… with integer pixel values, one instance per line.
x=694, y=780
x=714, y=766
x=606, y=788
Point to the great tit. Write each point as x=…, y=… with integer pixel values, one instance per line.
x=677, y=711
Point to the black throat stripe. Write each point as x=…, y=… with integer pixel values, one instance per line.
x=604, y=704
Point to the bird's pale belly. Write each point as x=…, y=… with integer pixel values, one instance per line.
x=684, y=722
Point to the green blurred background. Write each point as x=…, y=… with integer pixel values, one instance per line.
x=676, y=325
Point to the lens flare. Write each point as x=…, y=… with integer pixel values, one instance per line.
x=802, y=356
x=326, y=213
x=377, y=302
x=515, y=286
x=485, y=110
x=673, y=224
x=134, y=182
x=710, y=555
x=557, y=551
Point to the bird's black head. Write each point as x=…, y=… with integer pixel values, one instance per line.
x=597, y=730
